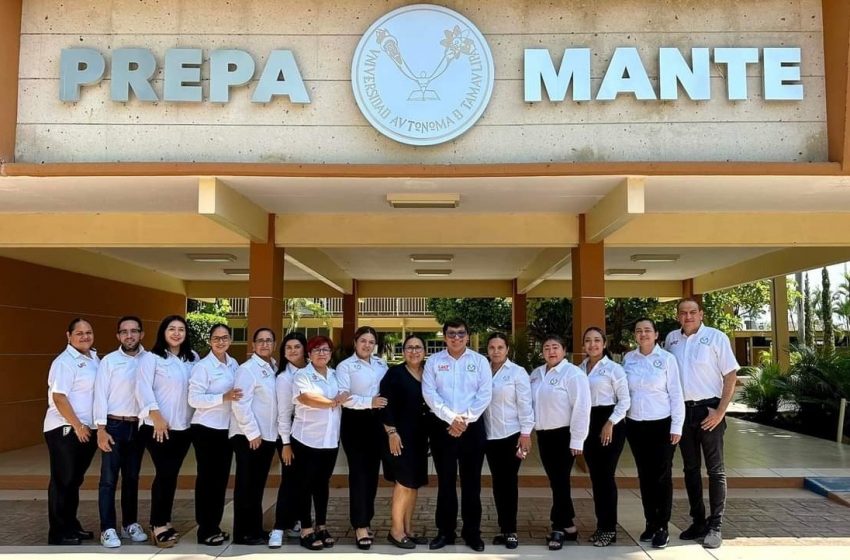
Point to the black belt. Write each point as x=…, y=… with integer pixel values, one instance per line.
x=703, y=402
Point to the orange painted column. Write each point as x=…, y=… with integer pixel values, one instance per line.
x=588, y=262
x=350, y=312
x=836, y=58
x=265, y=286
x=10, y=48
x=688, y=290
x=519, y=311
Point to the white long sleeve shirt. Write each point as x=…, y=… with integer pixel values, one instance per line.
x=654, y=387
x=72, y=374
x=284, y=384
x=210, y=380
x=316, y=427
x=704, y=359
x=255, y=414
x=163, y=384
x=115, y=386
x=457, y=387
x=362, y=379
x=510, y=409
x=608, y=386
x=561, y=397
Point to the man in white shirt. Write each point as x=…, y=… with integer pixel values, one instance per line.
x=457, y=387
x=708, y=370
x=116, y=415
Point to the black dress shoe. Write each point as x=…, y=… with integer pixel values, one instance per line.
x=250, y=541
x=475, y=543
x=68, y=540
x=85, y=535
x=694, y=532
x=647, y=534
x=440, y=541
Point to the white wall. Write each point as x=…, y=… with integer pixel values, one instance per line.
x=323, y=35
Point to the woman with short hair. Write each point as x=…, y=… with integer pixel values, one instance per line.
x=68, y=426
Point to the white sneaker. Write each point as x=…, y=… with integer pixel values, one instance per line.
x=134, y=532
x=276, y=538
x=294, y=532
x=109, y=539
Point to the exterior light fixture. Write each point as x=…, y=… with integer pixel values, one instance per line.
x=431, y=258
x=211, y=257
x=423, y=200
x=651, y=258
x=236, y=271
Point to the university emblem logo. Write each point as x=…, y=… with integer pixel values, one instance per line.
x=658, y=363
x=422, y=74
x=703, y=340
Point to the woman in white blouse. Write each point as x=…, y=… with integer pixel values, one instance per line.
x=362, y=433
x=508, y=421
x=68, y=427
x=162, y=390
x=253, y=432
x=654, y=426
x=560, y=396
x=210, y=393
x=293, y=357
x=315, y=439
x=609, y=398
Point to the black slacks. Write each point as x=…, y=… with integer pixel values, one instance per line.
x=696, y=441
x=167, y=459
x=314, y=467
x=286, y=508
x=124, y=459
x=558, y=461
x=362, y=438
x=214, y=455
x=504, y=468
x=69, y=461
x=252, y=471
x=602, y=463
x=464, y=453
x=650, y=444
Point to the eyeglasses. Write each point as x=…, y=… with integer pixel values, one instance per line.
x=225, y=338
x=129, y=332
x=263, y=341
x=320, y=351
x=413, y=348
x=455, y=334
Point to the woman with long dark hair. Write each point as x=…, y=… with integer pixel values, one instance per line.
x=508, y=420
x=162, y=390
x=211, y=392
x=654, y=426
x=609, y=398
x=361, y=432
x=405, y=422
x=561, y=399
x=293, y=357
x=68, y=427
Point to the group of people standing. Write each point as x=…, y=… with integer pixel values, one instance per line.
x=457, y=404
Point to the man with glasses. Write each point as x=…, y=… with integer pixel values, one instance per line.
x=708, y=369
x=457, y=387
x=116, y=415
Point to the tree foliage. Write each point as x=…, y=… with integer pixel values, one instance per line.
x=201, y=317
x=826, y=312
x=483, y=315
x=724, y=308
x=297, y=308
x=808, y=315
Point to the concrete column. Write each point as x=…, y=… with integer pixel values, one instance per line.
x=265, y=286
x=688, y=290
x=779, y=322
x=588, y=262
x=519, y=311
x=10, y=48
x=350, y=311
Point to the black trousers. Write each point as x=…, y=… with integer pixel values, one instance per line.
x=69, y=461
x=286, y=508
x=504, y=468
x=558, y=461
x=214, y=455
x=314, y=468
x=252, y=471
x=125, y=460
x=464, y=453
x=167, y=459
x=602, y=463
x=650, y=444
x=695, y=442
x=362, y=436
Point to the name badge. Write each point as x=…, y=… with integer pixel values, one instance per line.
x=444, y=367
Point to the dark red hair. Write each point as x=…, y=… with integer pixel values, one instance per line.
x=317, y=341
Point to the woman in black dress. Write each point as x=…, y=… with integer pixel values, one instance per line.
x=406, y=453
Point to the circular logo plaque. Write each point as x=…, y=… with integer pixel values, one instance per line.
x=422, y=74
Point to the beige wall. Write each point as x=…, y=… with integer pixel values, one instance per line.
x=331, y=129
